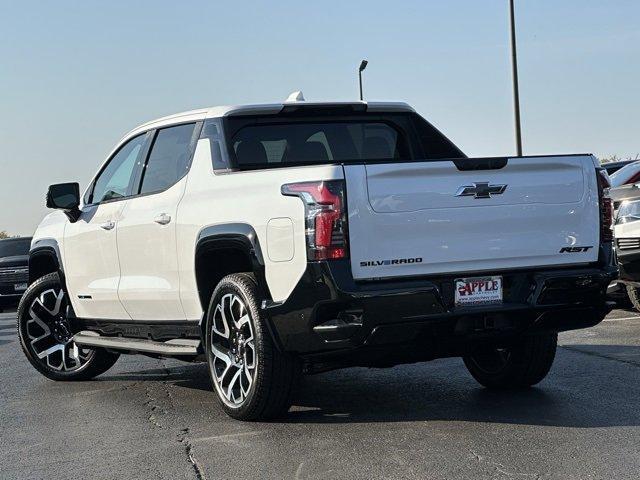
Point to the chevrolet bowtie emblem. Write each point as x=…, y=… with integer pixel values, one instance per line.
x=480, y=190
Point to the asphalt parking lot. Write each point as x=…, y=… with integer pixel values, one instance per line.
x=157, y=419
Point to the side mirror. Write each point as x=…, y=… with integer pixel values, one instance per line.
x=66, y=197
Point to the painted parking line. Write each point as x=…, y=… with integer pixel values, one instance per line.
x=621, y=319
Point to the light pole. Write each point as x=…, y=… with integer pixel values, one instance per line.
x=516, y=91
x=363, y=65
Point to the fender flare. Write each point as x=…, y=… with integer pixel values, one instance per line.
x=46, y=248
x=236, y=235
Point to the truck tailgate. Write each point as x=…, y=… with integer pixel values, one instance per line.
x=436, y=217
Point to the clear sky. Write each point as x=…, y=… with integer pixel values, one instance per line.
x=76, y=75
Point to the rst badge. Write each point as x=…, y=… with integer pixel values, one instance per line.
x=574, y=249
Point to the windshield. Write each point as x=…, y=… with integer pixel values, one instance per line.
x=626, y=173
x=14, y=247
x=628, y=212
x=264, y=142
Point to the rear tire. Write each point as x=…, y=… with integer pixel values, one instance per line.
x=634, y=297
x=252, y=379
x=518, y=366
x=45, y=335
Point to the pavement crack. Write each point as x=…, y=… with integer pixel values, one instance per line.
x=188, y=448
x=153, y=405
x=600, y=355
x=153, y=408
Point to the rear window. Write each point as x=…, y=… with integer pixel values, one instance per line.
x=272, y=141
x=14, y=247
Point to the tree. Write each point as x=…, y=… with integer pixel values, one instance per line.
x=616, y=158
x=3, y=234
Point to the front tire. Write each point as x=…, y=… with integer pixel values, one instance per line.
x=520, y=365
x=634, y=295
x=252, y=379
x=46, y=337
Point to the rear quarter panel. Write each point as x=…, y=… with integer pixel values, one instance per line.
x=251, y=197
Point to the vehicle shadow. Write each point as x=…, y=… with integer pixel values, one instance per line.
x=572, y=396
x=192, y=375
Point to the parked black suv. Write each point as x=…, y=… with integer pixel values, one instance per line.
x=14, y=269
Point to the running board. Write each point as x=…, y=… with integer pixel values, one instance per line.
x=177, y=347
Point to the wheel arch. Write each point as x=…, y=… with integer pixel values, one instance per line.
x=224, y=249
x=45, y=258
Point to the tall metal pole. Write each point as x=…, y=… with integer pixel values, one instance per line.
x=516, y=91
x=363, y=65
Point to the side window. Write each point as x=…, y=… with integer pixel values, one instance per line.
x=114, y=180
x=212, y=131
x=169, y=158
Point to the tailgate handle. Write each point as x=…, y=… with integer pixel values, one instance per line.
x=492, y=163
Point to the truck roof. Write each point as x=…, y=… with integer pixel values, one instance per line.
x=266, y=109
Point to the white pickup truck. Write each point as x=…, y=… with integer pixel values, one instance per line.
x=276, y=239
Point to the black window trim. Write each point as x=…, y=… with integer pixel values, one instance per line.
x=141, y=163
x=218, y=121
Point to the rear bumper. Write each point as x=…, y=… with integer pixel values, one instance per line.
x=10, y=299
x=329, y=314
x=12, y=275
x=8, y=291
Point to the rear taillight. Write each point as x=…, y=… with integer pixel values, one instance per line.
x=606, y=207
x=326, y=217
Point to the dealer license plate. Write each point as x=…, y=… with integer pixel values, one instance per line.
x=20, y=287
x=478, y=290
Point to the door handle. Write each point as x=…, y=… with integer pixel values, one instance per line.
x=162, y=219
x=108, y=225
